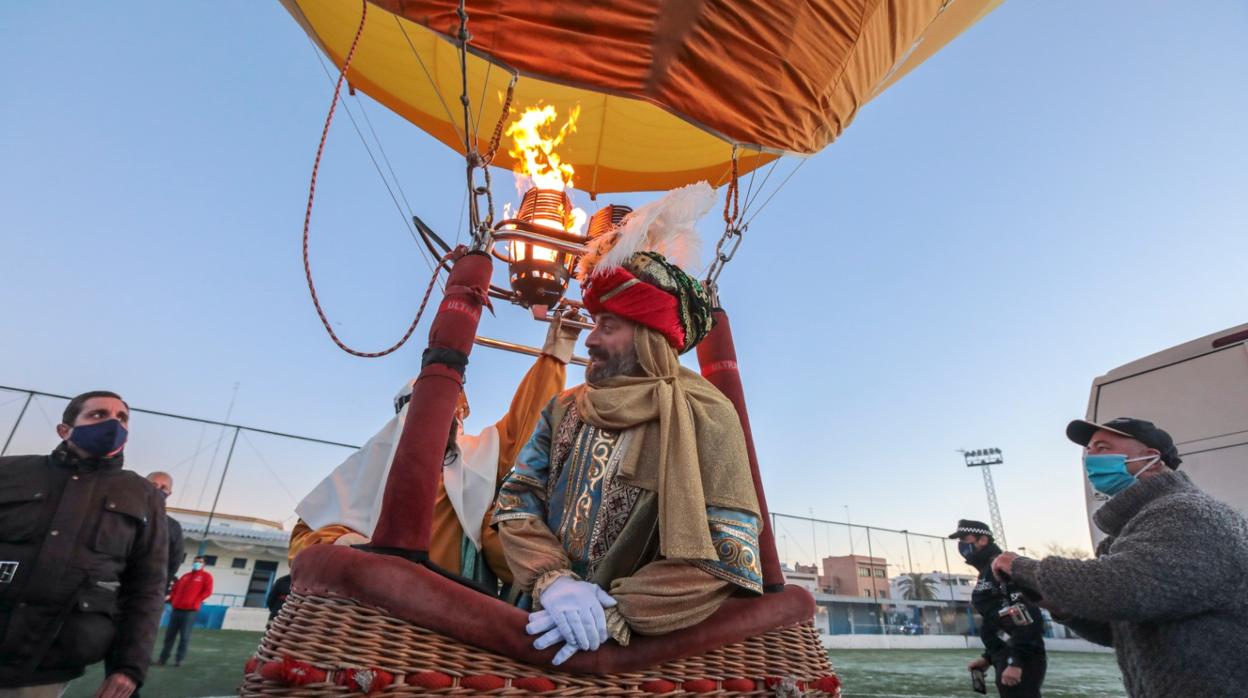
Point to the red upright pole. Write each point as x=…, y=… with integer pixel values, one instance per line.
x=405, y=524
x=717, y=357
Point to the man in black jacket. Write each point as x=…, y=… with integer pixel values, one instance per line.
x=177, y=551
x=1014, y=649
x=83, y=547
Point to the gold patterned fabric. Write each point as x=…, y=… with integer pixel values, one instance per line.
x=691, y=450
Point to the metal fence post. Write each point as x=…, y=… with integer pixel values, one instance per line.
x=953, y=597
x=909, y=560
x=875, y=594
x=203, y=544
x=29, y=396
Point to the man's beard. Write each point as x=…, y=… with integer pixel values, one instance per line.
x=604, y=366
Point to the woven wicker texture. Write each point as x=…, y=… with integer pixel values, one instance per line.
x=332, y=633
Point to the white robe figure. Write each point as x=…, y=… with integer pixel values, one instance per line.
x=351, y=495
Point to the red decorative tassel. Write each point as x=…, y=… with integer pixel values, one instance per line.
x=251, y=665
x=430, y=679
x=739, y=685
x=658, y=686
x=484, y=682
x=301, y=673
x=828, y=684
x=366, y=681
x=534, y=684
x=699, y=685
x=272, y=671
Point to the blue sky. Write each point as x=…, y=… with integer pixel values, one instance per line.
x=1058, y=192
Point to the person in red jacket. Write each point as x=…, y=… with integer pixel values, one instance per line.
x=187, y=595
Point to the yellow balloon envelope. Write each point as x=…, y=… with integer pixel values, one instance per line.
x=666, y=88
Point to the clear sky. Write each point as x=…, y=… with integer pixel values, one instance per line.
x=1059, y=191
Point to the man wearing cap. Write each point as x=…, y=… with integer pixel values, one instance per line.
x=1015, y=651
x=1168, y=589
x=635, y=483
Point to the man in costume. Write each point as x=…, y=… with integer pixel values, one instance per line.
x=344, y=507
x=636, y=483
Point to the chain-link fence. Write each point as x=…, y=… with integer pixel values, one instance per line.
x=242, y=470
x=872, y=580
x=866, y=579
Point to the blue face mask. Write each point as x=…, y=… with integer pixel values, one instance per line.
x=101, y=440
x=197, y=566
x=1108, y=471
x=966, y=550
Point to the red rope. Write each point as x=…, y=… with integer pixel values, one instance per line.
x=307, y=217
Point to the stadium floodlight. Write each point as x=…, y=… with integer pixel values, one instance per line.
x=984, y=459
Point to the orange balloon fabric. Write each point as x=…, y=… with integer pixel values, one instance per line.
x=666, y=87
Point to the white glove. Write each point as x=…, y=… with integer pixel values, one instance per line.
x=572, y=612
x=561, y=339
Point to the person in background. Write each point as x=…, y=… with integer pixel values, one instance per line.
x=186, y=597
x=1015, y=651
x=1168, y=589
x=177, y=552
x=277, y=596
x=343, y=508
x=83, y=547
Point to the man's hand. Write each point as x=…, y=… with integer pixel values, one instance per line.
x=116, y=686
x=1011, y=676
x=572, y=613
x=1003, y=566
x=978, y=663
x=542, y=622
x=561, y=337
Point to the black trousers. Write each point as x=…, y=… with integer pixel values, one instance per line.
x=1033, y=676
x=180, y=623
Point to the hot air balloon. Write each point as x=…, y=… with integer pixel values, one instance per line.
x=666, y=93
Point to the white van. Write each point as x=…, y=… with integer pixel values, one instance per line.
x=1198, y=392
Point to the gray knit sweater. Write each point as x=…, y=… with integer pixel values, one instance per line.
x=1168, y=590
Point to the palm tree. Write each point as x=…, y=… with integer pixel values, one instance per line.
x=916, y=586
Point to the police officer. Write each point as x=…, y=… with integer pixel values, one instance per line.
x=83, y=547
x=1015, y=649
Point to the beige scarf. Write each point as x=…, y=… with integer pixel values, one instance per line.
x=691, y=451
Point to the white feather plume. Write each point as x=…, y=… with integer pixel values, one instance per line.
x=666, y=226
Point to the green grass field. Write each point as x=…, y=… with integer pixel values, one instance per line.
x=214, y=667
x=943, y=674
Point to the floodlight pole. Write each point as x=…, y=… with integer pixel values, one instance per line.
x=984, y=459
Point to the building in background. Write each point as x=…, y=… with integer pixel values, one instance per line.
x=244, y=554
x=947, y=587
x=855, y=575
x=804, y=576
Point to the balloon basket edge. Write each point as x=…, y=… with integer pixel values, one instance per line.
x=331, y=646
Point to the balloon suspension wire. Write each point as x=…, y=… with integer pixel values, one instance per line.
x=766, y=201
x=428, y=75
x=407, y=217
x=749, y=190
x=307, y=218
x=752, y=196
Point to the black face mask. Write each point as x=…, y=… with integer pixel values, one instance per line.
x=982, y=556
x=100, y=440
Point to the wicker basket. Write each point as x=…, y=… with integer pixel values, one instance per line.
x=333, y=634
